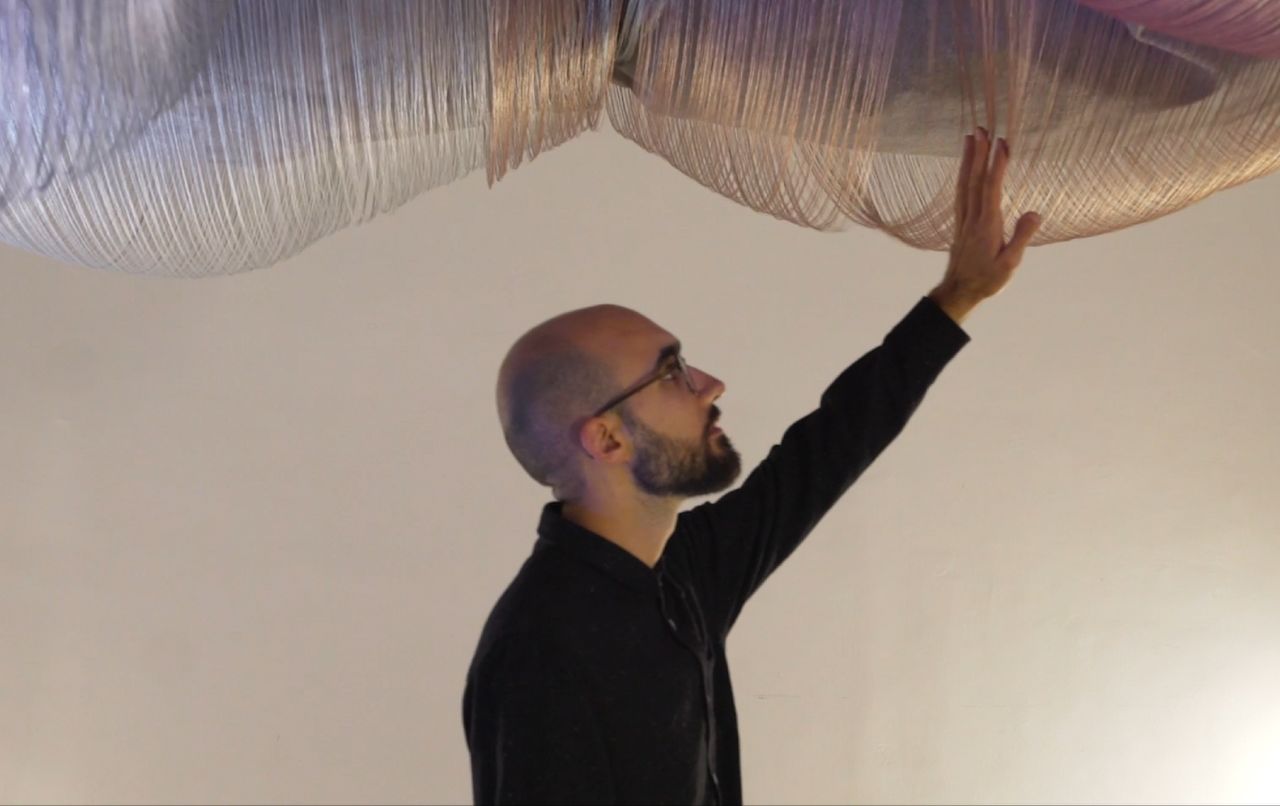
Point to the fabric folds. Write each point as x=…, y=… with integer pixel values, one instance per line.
x=191, y=139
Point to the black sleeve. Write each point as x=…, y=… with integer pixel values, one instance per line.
x=730, y=546
x=532, y=734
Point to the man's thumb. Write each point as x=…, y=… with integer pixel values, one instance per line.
x=1023, y=232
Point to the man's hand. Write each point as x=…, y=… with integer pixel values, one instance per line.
x=981, y=262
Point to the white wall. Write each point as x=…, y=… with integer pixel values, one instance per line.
x=250, y=527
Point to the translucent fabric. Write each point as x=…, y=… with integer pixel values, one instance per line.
x=193, y=138
x=824, y=113
x=308, y=117
x=77, y=78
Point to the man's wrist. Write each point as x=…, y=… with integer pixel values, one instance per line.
x=953, y=302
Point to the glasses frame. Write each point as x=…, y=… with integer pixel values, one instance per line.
x=674, y=364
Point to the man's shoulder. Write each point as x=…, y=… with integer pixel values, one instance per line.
x=533, y=614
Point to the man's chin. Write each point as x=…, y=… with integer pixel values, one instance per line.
x=721, y=444
x=729, y=464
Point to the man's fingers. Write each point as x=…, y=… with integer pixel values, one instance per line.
x=977, y=174
x=962, y=182
x=995, y=180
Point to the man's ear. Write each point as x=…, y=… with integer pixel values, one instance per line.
x=602, y=439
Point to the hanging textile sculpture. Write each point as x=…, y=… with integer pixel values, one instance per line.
x=187, y=139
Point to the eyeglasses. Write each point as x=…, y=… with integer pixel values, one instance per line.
x=670, y=369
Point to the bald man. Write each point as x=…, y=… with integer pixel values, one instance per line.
x=600, y=675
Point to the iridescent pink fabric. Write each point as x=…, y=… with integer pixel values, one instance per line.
x=1251, y=27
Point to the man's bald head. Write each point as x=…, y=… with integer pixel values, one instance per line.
x=554, y=376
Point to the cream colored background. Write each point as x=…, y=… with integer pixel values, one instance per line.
x=250, y=527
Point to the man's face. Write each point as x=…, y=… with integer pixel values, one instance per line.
x=678, y=448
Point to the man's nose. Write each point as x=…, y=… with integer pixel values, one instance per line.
x=709, y=386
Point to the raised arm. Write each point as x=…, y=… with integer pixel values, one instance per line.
x=730, y=546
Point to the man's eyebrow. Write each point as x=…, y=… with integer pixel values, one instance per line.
x=669, y=352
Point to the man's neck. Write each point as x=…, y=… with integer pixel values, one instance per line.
x=641, y=526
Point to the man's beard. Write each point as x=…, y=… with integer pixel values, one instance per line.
x=667, y=466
